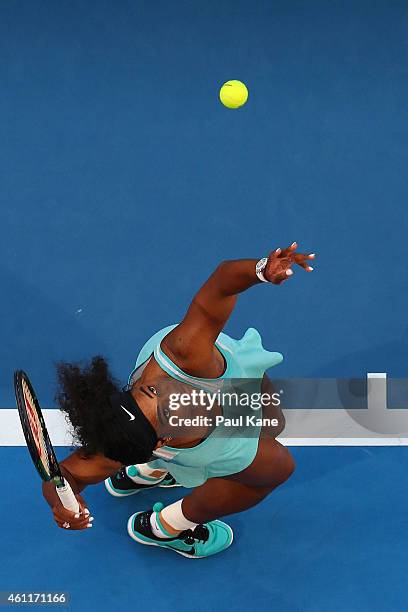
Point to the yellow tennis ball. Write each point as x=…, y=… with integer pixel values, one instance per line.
x=233, y=94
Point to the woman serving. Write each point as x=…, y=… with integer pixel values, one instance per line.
x=123, y=435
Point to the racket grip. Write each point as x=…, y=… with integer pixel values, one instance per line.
x=67, y=497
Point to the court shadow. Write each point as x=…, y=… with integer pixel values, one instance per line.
x=380, y=358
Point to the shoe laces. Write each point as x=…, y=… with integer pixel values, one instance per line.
x=200, y=534
x=121, y=474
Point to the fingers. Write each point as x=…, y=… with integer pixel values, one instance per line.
x=303, y=264
x=71, y=520
x=282, y=276
x=74, y=526
x=281, y=260
x=275, y=254
x=284, y=252
x=303, y=257
x=302, y=260
x=64, y=514
x=290, y=252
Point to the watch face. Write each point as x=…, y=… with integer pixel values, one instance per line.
x=261, y=264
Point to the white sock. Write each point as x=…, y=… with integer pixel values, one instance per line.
x=173, y=516
x=141, y=473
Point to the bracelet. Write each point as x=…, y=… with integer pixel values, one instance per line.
x=259, y=269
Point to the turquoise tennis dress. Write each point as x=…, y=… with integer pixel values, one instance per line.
x=223, y=452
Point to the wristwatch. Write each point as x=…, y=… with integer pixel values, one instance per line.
x=259, y=269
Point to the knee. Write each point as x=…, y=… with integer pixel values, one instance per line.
x=288, y=467
x=283, y=470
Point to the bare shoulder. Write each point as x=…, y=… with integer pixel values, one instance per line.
x=196, y=358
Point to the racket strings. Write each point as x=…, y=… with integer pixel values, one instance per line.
x=36, y=427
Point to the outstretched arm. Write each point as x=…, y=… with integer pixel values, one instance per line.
x=191, y=343
x=79, y=470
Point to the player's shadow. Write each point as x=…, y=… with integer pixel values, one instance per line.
x=380, y=358
x=313, y=463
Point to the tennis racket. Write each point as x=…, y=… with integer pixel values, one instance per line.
x=38, y=440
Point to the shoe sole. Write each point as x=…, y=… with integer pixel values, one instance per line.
x=180, y=552
x=164, y=486
x=112, y=491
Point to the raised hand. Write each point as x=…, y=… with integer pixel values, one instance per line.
x=280, y=262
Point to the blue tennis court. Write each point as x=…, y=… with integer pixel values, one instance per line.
x=124, y=183
x=333, y=538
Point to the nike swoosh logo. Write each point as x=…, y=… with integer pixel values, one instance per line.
x=189, y=552
x=132, y=416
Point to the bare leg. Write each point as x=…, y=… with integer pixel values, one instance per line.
x=218, y=497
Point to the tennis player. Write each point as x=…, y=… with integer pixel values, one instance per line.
x=120, y=432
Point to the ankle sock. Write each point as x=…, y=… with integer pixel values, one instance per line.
x=173, y=517
x=142, y=474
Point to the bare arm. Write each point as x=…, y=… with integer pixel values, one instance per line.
x=191, y=343
x=80, y=471
x=86, y=470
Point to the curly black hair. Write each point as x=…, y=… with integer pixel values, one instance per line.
x=83, y=395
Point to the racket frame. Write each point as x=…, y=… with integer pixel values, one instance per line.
x=64, y=490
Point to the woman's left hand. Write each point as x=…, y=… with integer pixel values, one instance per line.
x=280, y=262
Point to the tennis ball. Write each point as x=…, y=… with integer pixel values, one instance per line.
x=233, y=94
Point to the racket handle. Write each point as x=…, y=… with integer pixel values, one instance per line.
x=67, y=497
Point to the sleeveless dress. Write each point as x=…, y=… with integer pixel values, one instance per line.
x=224, y=451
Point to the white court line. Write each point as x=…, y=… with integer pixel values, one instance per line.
x=11, y=433
x=343, y=441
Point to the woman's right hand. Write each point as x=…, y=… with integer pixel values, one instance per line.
x=66, y=519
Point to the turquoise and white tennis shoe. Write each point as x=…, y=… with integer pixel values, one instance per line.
x=203, y=541
x=121, y=485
